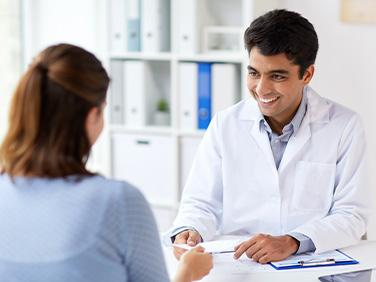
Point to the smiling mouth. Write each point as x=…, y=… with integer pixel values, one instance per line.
x=269, y=100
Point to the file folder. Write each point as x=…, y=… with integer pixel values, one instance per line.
x=155, y=25
x=117, y=25
x=136, y=77
x=188, y=96
x=117, y=115
x=204, y=95
x=134, y=26
x=225, y=86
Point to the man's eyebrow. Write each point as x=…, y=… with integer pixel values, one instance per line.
x=280, y=71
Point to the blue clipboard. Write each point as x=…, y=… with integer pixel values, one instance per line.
x=310, y=261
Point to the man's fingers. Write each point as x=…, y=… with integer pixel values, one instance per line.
x=242, y=248
x=264, y=259
x=255, y=248
x=256, y=255
x=182, y=237
x=194, y=238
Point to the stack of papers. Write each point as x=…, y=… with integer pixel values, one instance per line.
x=331, y=258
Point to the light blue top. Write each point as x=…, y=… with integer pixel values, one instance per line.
x=94, y=229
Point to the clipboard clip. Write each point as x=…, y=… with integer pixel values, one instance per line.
x=313, y=262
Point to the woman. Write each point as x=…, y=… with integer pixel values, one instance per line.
x=59, y=221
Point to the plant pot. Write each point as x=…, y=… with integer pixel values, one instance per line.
x=162, y=118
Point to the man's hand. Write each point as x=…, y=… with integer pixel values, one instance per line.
x=190, y=237
x=265, y=248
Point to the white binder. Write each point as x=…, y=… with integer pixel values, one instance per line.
x=225, y=86
x=116, y=94
x=192, y=19
x=118, y=26
x=155, y=25
x=137, y=106
x=188, y=96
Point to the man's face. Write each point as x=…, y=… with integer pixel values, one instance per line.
x=275, y=84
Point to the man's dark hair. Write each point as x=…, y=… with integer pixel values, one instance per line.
x=282, y=31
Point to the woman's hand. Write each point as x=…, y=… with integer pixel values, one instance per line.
x=194, y=265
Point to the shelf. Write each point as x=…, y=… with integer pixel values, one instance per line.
x=213, y=57
x=163, y=56
x=220, y=57
x=153, y=130
x=196, y=133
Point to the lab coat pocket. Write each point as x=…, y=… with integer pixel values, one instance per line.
x=313, y=186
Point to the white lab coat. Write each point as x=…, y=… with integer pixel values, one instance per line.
x=319, y=189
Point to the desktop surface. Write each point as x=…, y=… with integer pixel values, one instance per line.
x=367, y=275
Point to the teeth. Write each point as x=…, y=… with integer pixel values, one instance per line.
x=268, y=100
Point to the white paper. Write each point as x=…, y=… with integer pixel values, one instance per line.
x=218, y=246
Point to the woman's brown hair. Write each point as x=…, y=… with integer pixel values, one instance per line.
x=47, y=135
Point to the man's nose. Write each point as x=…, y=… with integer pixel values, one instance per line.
x=263, y=87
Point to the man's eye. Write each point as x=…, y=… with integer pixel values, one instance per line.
x=252, y=74
x=278, y=77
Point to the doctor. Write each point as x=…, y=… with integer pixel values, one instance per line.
x=286, y=170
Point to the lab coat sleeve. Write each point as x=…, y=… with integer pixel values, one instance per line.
x=201, y=203
x=351, y=206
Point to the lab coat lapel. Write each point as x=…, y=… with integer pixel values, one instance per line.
x=262, y=140
x=296, y=143
x=251, y=114
x=317, y=112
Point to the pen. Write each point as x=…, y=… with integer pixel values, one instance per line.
x=221, y=252
x=317, y=262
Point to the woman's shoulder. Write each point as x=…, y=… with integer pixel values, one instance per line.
x=119, y=189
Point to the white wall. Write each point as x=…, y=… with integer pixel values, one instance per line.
x=81, y=23
x=345, y=66
x=10, y=58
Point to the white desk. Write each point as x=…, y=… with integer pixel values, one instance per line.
x=364, y=252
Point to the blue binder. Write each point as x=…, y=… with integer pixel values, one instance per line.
x=133, y=25
x=204, y=95
x=134, y=35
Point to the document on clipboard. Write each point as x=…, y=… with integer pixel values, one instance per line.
x=331, y=258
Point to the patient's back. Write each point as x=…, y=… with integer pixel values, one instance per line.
x=89, y=229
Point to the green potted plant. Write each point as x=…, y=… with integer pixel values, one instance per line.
x=162, y=113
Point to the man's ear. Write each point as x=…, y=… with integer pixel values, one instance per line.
x=308, y=74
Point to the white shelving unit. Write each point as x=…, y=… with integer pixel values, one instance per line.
x=157, y=158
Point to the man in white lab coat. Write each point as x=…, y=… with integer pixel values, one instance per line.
x=287, y=170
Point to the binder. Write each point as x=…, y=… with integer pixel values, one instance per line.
x=225, y=89
x=191, y=21
x=136, y=77
x=134, y=25
x=204, y=95
x=116, y=95
x=307, y=260
x=155, y=25
x=117, y=25
x=188, y=96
